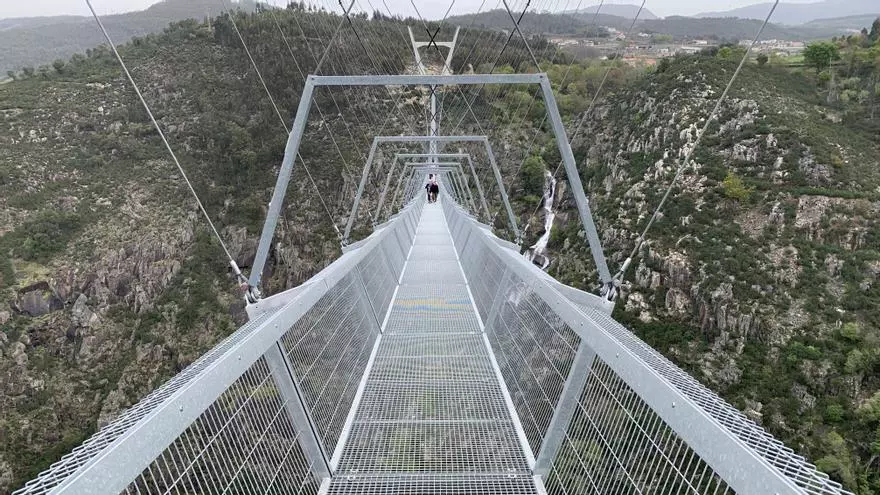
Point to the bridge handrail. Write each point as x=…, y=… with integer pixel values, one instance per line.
x=742, y=453
x=120, y=451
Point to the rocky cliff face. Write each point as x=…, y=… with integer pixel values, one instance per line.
x=766, y=250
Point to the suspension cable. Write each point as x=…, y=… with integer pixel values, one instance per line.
x=521, y=35
x=232, y=263
x=593, y=101
x=278, y=113
x=681, y=166
x=535, y=97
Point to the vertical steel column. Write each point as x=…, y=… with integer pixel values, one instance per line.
x=467, y=189
x=502, y=190
x=290, y=152
x=376, y=218
x=312, y=446
x=357, y=199
x=565, y=408
x=479, y=187
x=574, y=179
x=397, y=189
x=453, y=186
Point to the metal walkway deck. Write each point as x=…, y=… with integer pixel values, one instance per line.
x=433, y=416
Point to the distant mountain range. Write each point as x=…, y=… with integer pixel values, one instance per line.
x=626, y=11
x=34, y=41
x=802, y=13
x=679, y=27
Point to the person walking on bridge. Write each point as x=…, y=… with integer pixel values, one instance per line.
x=428, y=187
x=435, y=188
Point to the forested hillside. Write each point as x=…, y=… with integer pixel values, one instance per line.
x=679, y=27
x=762, y=276
x=31, y=42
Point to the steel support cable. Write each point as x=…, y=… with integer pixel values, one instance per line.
x=232, y=263
x=467, y=58
x=505, y=90
x=333, y=37
x=478, y=89
x=521, y=35
x=438, y=49
x=547, y=55
x=317, y=106
x=473, y=47
x=390, y=56
x=681, y=166
x=534, y=98
x=593, y=101
x=303, y=73
x=395, y=99
x=332, y=66
x=406, y=40
x=278, y=113
x=469, y=107
x=324, y=57
x=544, y=119
x=556, y=52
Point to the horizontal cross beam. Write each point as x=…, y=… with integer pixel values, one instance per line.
x=426, y=79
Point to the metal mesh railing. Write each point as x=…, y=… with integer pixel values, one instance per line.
x=227, y=423
x=328, y=349
x=617, y=444
x=596, y=409
x=244, y=442
x=617, y=438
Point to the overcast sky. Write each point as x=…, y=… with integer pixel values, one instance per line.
x=428, y=8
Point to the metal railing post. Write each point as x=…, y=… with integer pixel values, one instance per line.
x=565, y=408
x=511, y=218
x=357, y=199
x=376, y=217
x=312, y=446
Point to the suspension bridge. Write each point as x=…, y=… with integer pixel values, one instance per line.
x=431, y=357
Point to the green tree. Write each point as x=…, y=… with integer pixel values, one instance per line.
x=532, y=175
x=28, y=71
x=874, y=35
x=734, y=187
x=820, y=55
x=58, y=65
x=763, y=59
x=869, y=411
x=11, y=74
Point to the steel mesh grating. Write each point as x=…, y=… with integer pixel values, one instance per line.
x=406, y=345
x=431, y=272
x=430, y=368
x=432, y=403
x=441, y=307
x=329, y=349
x=243, y=443
x=428, y=252
x=447, y=485
x=441, y=239
x=449, y=446
x=535, y=352
x=379, y=279
x=617, y=444
x=432, y=400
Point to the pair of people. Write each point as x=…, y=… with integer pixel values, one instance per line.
x=432, y=188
